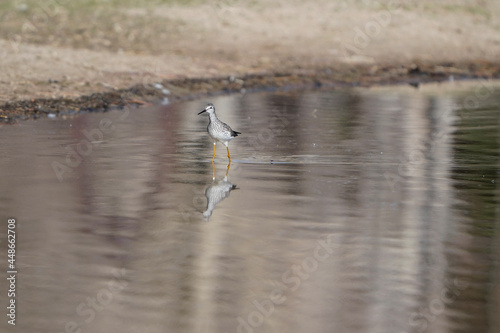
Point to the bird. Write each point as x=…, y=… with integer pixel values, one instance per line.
x=218, y=130
x=215, y=193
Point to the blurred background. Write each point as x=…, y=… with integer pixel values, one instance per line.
x=66, y=48
x=344, y=210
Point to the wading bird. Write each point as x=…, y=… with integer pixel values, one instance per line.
x=218, y=130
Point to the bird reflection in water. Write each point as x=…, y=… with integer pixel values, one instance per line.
x=217, y=191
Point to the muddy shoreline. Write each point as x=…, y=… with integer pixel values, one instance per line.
x=181, y=89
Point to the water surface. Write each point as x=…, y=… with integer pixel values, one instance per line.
x=356, y=210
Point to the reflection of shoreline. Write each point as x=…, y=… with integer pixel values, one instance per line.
x=217, y=192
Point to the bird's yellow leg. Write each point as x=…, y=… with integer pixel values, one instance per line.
x=213, y=157
x=228, y=166
x=213, y=171
x=228, y=155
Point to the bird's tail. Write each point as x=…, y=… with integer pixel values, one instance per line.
x=235, y=133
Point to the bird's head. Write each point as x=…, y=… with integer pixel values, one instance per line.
x=210, y=108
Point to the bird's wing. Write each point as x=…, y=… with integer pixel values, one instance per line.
x=226, y=128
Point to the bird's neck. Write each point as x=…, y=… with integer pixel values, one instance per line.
x=213, y=117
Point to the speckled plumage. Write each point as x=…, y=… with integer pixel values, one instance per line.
x=218, y=130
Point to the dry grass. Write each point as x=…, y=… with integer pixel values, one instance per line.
x=176, y=26
x=116, y=41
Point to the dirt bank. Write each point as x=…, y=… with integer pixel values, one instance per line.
x=55, y=53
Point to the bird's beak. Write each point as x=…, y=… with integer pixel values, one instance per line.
x=202, y=112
